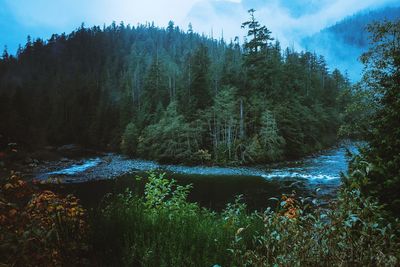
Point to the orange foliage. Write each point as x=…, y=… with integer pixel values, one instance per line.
x=39, y=228
x=290, y=207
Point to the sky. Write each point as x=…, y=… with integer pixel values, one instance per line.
x=289, y=20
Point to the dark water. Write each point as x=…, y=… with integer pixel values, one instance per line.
x=316, y=176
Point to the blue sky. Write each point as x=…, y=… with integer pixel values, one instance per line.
x=288, y=20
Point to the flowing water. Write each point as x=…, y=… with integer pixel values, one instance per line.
x=317, y=176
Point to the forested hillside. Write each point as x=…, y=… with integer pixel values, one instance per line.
x=352, y=30
x=170, y=95
x=343, y=43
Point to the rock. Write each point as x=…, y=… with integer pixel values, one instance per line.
x=70, y=147
x=49, y=148
x=73, y=151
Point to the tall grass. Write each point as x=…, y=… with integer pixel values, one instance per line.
x=162, y=228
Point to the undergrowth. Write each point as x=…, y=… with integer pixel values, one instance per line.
x=161, y=228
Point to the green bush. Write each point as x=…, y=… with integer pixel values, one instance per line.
x=160, y=229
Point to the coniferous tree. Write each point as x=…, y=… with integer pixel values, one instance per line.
x=200, y=83
x=155, y=95
x=256, y=49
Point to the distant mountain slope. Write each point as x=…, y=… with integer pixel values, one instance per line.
x=343, y=43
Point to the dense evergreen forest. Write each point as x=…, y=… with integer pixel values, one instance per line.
x=170, y=95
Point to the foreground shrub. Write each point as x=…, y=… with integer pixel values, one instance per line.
x=163, y=229
x=40, y=228
x=352, y=233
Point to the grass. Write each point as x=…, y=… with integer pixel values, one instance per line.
x=161, y=229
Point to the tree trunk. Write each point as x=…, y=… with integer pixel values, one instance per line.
x=241, y=120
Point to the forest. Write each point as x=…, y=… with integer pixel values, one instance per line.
x=173, y=96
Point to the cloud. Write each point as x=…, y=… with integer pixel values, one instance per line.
x=218, y=17
x=289, y=21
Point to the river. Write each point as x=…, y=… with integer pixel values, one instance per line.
x=317, y=177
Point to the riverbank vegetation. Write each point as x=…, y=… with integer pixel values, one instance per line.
x=161, y=228
x=170, y=95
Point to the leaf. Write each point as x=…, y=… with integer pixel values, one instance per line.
x=8, y=186
x=239, y=230
x=12, y=213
